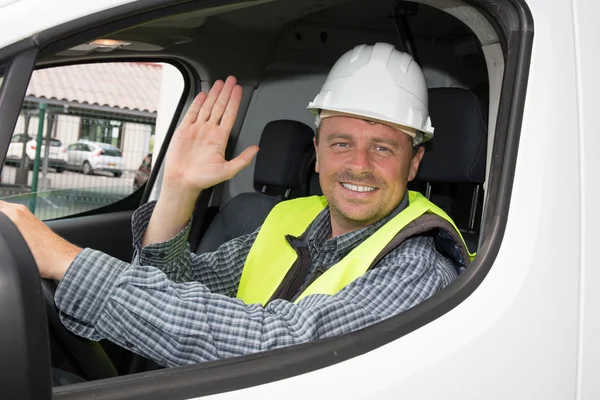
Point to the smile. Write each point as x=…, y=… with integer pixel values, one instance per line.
x=356, y=188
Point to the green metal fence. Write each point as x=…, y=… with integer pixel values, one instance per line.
x=67, y=158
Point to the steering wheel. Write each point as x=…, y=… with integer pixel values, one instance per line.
x=87, y=356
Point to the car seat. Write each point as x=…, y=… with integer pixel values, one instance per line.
x=457, y=155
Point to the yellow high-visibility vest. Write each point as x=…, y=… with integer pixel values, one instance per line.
x=271, y=256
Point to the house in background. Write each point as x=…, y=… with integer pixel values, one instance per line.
x=113, y=103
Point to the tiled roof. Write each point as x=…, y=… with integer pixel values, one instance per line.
x=132, y=86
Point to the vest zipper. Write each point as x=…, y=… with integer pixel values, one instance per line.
x=290, y=284
x=313, y=277
x=297, y=265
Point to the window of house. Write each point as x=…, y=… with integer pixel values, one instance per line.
x=101, y=130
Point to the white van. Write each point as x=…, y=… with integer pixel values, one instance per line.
x=514, y=85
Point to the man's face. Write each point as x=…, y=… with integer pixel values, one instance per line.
x=363, y=170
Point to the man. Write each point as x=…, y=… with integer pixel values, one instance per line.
x=318, y=267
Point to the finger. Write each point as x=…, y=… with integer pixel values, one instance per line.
x=192, y=112
x=230, y=113
x=237, y=164
x=222, y=100
x=213, y=94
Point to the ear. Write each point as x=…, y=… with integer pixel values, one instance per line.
x=415, y=162
x=316, y=155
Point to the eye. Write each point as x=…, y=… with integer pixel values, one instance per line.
x=341, y=144
x=382, y=149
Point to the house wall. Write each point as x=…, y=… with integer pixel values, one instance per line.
x=67, y=129
x=33, y=126
x=135, y=144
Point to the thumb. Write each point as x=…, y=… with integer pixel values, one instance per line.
x=243, y=160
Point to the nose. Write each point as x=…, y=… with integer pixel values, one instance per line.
x=360, y=161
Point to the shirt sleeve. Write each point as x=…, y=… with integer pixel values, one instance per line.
x=220, y=270
x=139, y=308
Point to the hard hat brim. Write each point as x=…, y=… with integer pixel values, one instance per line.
x=405, y=129
x=409, y=130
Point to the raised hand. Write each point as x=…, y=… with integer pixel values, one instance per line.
x=196, y=156
x=196, y=159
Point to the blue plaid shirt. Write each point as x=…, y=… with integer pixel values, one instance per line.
x=177, y=308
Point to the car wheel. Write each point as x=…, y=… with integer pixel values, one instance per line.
x=87, y=168
x=59, y=170
x=117, y=174
x=29, y=162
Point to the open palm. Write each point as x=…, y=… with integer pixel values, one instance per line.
x=195, y=159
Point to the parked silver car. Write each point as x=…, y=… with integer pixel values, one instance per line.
x=89, y=157
x=56, y=159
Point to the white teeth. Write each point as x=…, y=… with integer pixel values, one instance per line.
x=358, y=188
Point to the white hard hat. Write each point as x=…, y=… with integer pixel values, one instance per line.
x=377, y=83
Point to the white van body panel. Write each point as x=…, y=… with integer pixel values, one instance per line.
x=587, y=33
x=24, y=18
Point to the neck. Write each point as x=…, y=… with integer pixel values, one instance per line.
x=341, y=225
x=337, y=230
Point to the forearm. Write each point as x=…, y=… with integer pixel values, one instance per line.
x=172, y=213
x=176, y=324
x=179, y=324
x=171, y=256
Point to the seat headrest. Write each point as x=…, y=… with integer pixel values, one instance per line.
x=284, y=145
x=314, y=186
x=459, y=147
x=312, y=177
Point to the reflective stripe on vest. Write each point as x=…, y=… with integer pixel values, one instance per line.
x=271, y=256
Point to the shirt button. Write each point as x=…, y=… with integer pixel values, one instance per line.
x=149, y=254
x=76, y=306
x=162, y=255
x=129, y=344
